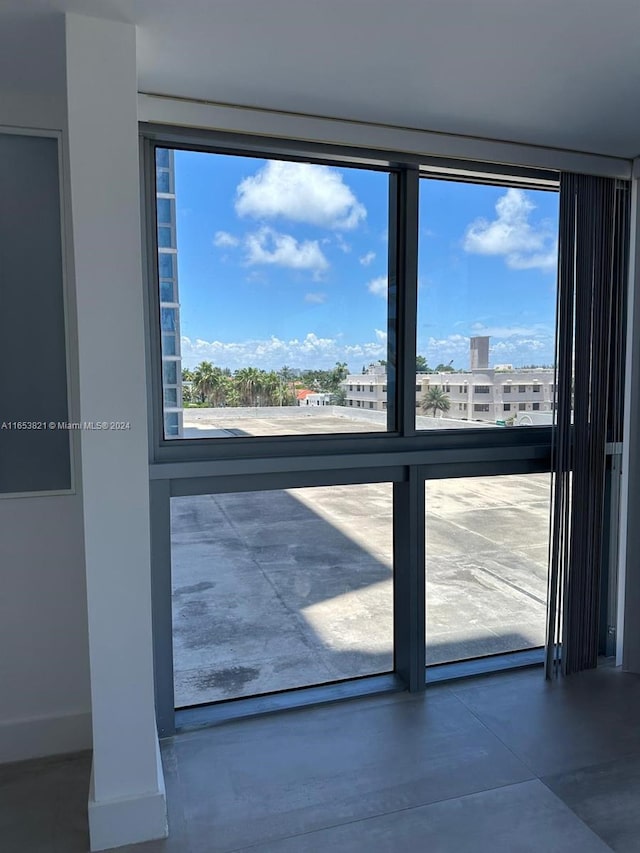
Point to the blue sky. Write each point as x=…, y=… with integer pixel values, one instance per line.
x=286, y=263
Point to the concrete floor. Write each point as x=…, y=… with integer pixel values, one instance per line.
x=274, y=590
x=502, y=764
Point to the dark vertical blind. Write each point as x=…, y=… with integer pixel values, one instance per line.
x=589, y=358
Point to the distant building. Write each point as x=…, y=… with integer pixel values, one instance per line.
x=313, y=398
x=487, y=394
x=169, y=298
x=479, y=352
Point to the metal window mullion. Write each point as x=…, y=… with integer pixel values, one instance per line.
x=161, y=604
x=407, y=298
x=153, y=338
x=409, y=580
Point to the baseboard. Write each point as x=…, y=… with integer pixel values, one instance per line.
x=37, y=737
x=114, y=823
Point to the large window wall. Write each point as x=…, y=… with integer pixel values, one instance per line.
x=363, y=480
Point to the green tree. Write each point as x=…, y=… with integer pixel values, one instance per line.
x=231, y=393
x=276, y=391
x=286, y=373
x=204, y=380
x=339, y=397
x=188, y=393
x=421, y=365
x=248, y=381
x=435, y=400
x=339, y=374
x=444, y=368
x=288, y=377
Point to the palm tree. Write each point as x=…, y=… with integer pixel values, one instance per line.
x=273, y=388
x=204, y=380
x=288, y=377
x=435, y=400
x=231, y=393
x=286, y=373
x=219, y=387
x=248, y=382
x=188, y=393
x=339, y=373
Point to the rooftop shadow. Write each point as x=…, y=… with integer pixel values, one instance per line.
x=271, y=593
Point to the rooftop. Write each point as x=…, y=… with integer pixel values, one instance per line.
x=275, y=590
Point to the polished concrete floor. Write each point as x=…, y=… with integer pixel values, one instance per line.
x=280, y=589
x=506, y=763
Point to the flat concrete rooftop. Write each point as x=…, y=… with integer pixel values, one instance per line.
x=300, y=420
x=274, y=590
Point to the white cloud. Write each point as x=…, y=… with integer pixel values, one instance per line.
x=365, y=260
x=302, y=192
x=511, y=234
x=515, y=344
x=532, y=345
x=508, y=331
x=272, y=353
x=225, y=240
x=366, y=351
x=342, y=244
x=450, y=345
x=545, y=261
x=267, y=246
x=315, y=298
x=380, y=335
x=378, y=286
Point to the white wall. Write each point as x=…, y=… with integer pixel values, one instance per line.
x=44, y=699
x=44, y=675
x=126, y=802
x=76, y=568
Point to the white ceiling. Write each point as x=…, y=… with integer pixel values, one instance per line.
x=561, y=73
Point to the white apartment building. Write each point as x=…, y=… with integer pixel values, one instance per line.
x=491, y=394
x=494, y=395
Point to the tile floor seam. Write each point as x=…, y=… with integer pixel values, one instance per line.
x=635, y=753
x=382, y=814
x=497, y=736
x=611, y=762
x=574, y=812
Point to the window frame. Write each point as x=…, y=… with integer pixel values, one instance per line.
x=403, y=455
x=407, y=171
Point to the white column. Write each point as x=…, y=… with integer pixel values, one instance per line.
x=628, y=630
x=127, y=800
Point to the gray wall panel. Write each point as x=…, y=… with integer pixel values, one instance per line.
x=33, y=373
